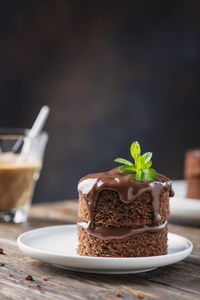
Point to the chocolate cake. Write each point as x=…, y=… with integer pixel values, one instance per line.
x=192, y=173
x=121, y=217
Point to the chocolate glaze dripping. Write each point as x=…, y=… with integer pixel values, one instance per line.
x=127, y=187
x=111, y=232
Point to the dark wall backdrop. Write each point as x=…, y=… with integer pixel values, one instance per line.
x=112, y=72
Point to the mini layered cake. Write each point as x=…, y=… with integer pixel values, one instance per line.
x=120, y=216
x=192, y=173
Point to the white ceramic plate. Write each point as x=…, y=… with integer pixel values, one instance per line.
x=57, y=245
x=182, y=209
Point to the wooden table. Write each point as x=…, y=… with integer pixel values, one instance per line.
x=178, y=281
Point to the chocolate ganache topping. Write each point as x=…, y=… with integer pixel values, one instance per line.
x=128, y=189
x=111, y=233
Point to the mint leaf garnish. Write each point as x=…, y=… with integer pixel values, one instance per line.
x=149, y=173
x=148, y=164
x=140, y=163
x=127, y=169
x=147, y=156
x=141, y=168
x=123, y=161
x=139, y=176
x=135, y=150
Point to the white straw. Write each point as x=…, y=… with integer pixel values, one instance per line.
x=39, y=122
x=33, y=132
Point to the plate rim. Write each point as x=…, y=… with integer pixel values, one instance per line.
x=29, y=249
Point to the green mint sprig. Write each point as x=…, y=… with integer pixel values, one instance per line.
x=141, y=168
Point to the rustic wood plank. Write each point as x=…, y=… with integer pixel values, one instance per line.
x=178, y=281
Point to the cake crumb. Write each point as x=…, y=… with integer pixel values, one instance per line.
x=38, y=287
x=139, y=296
x=29, y=285
x=29, y=277
x=146, y=298
x=20, y=280
x=54, y=291
x=2, y=251
x=118, y=294
x=44, y=278
x=10, y=275
x=192, y=279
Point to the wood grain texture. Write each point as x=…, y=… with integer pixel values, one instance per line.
x=178, y=281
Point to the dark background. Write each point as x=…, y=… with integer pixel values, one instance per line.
x=112, y=72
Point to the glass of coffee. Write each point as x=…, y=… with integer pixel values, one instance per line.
x=19, y=172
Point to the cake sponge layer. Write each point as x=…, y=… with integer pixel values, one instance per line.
x=139, y=245
x=109, y=210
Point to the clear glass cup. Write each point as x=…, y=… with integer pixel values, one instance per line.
x=19, y=172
